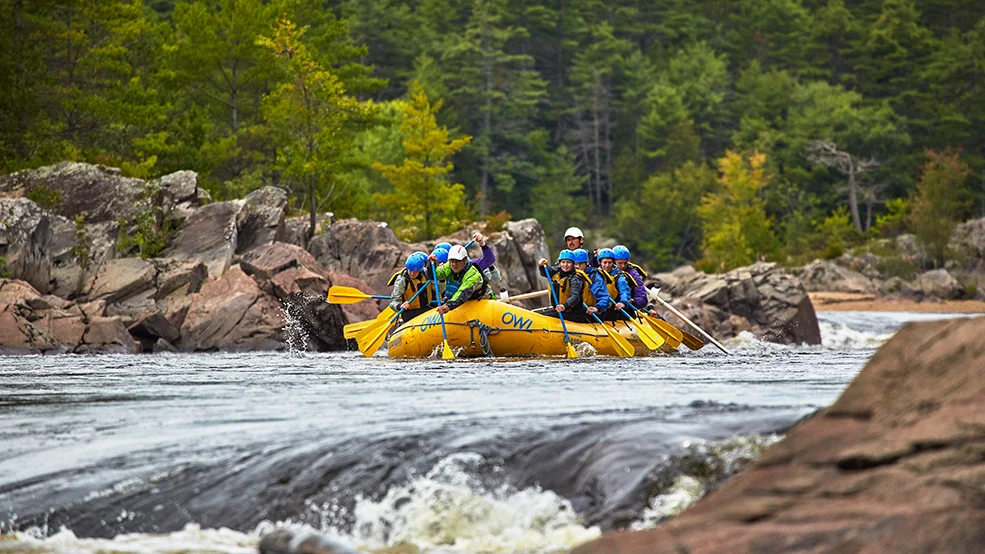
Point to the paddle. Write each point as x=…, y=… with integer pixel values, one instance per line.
x=371, y=338
x=567, y=340
x=647, y=335
x=351, y=330
x=623, y=348
x=446, y=352
x=656, y=296
x=691, y=341
x=348, y=295
x=673, y=335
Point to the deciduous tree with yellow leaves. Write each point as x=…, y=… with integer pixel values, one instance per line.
x=424, y=203
x=735, y=227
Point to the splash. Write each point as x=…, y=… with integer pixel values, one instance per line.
x=685, y=478
x=190, y=539
x=835, y=335
x=297, y=327
x=450, y=509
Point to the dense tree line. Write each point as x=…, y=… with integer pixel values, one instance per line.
x=746, y=128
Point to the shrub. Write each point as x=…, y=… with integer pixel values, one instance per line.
x=45, y=196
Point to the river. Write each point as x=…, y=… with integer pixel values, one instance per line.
x=205, y=453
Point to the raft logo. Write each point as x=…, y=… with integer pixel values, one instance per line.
x=518, y=322
x=430, y=321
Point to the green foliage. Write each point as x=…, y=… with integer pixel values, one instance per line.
x=893, y=222
x=942, y=199
x=582, y=112
x=837, y=232
x=82, y=250
x=5, y=272
x=736, y=230
x=424, y=203
x=45, y=196
x=149, y=232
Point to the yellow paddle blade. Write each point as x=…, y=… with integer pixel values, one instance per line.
x=650, y=338
x=446, y=353
x=671, y=334
x=692, y=342
x=351, y=330
x=372, y=338
x=346, y=295
x=623, y=348
x=571, y=350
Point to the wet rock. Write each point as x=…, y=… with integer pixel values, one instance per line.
x=208, y=235
x=826, y=276
x=261, y=220
x=294, y=277
x=895, y=465
x=772, y=303
x=162, y=345
x=106, y=335
x=25, y=242
x=231, y=314
x=297, y=541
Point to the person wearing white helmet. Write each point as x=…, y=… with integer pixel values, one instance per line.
x=574, y=238
x=463, y=279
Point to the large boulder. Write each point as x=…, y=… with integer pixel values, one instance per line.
x=97, y=192
x=232, y=314
x=75, y=243
x=359, y=311
x=895, y=465
x=761, y=298
x=208, y=235
x=826, y=276
x=261, y=220
x=25, y=242
x=300, y=283
x=531, y=245
x=366, y=250
x=937, y=285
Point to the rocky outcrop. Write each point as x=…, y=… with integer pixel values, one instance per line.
x=367, y=250
x=293, y=276
x=360, y=311
x=208, y=235
x=25, y=242
x=827, y=276
x=895, y=465
x=96, y=192
x=232, y=314
x=35, y=323
x=261, y=221
x=761, y=298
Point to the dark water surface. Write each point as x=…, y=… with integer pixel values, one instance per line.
x=467, y=456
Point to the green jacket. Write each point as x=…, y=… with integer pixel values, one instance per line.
x=468, y=285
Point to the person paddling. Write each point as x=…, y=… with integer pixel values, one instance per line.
x=598, y=284
x=618, y=285
x=572, y=288
x=406, y=283
x=635, y=277
x=463, y=279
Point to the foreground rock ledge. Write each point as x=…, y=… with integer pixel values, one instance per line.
x=896, y=465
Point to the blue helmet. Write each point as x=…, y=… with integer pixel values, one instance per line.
x=605, y=253
x=416, y=261
x=566, y=255
x=580, y=256
x=443, y=245
x=441, y=254
x=620, y=252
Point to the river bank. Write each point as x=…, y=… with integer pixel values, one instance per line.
x=856, y=302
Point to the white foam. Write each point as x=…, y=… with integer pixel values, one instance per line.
x=449, y=510
x=190, y=539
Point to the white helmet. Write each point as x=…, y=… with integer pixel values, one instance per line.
x=458, y=252
x=574, y=232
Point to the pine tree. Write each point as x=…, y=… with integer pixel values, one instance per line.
x=942, y=199
x=424, y=203
x=310, y=119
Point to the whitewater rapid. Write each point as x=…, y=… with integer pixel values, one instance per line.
x=207, y=453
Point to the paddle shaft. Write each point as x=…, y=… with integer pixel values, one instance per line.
x=684, y=318
x=560, y=315
x=434, y=275
x=528, y=295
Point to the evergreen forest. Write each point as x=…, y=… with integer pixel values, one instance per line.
x=712, y=131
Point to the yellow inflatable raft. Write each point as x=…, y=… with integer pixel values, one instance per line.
x=490, y=327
